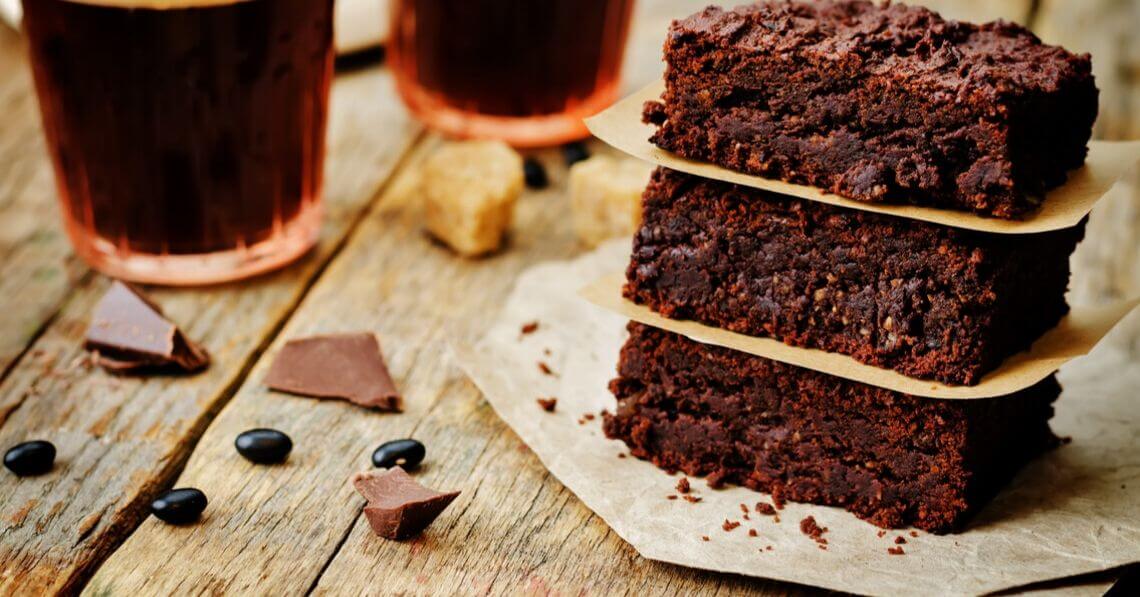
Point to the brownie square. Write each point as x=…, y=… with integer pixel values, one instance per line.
x=925, y=300
x=889, y=458
x=877, y=103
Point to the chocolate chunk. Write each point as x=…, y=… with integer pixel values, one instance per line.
x=128, y=333
x=399, y=507
x=548, y=404
x=345, y=366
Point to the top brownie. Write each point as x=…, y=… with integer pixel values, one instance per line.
x=877, y=103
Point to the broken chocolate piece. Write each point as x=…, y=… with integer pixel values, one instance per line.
x=399, y=507
x=129, y=333
x=345, y=366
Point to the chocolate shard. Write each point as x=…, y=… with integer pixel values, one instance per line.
x=399, y=507
x=129, y=333
x=346, y=366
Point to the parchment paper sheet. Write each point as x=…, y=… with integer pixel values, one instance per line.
x=620, y=125
x=1075, y=335
x=1076, y=510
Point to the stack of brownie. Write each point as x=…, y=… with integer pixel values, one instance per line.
x=880, y=104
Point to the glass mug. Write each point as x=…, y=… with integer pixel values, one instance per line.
x=525, y=71
x=187, y=136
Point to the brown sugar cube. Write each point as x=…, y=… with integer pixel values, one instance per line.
x=470, y=189
x=605, y=197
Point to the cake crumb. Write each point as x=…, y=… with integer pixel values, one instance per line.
x=753, y=533
x=683, y=485
x=744, y=509
x=769, y=548
x=881, y=533
x=547, y=404
x=900, y=540
x=621, y=454
x=546, y=351
x=811, y=528
x=765, y=508
x=588, y=416
x=671, y=497
x=704, y=537
x=546, y=370
x=896, y=551
x=692, y=499
x=729, y=525
x=914, y=533
x=528, y=328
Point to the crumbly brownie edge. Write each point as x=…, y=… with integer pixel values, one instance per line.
x=889, y=458
x=927, y=301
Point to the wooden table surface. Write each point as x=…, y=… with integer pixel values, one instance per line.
x=298, y=528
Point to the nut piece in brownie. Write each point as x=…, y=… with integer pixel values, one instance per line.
x=890, y=458
x=877, y=103
x=928, y=301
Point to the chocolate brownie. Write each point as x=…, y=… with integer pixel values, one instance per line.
x=805, y=436
x=925, y=300
x=877, y=103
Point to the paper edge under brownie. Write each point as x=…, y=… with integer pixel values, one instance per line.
x=348, y=366
x=398, y=506
x=1074, y=336
x=129, y=333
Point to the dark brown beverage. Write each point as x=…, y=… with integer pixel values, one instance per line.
x=526, y=71
x=187, y=135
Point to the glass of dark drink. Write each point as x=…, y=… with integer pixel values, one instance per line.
x=187, y=136
x=525, y=71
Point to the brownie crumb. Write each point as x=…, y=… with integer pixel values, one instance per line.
x=769, y=548
x=704, y=537
x=765, y=508
x=753, y=533
x=546, y=370
x=746, y=516
x=744, y=509
x=811, y=528
x=822, y=546
x=729, y=525
x=914, y=533
x=588, y=416
x=881, y=533
x=900, y=540
x=683, y=485
x=546, y=351
x=547, y=404
x=692, y=499
x=528, y=328
x=896, y=551
x=671, y=497
x=621, y=454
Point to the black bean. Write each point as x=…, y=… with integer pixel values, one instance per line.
x=30, y=458
x=407, y=453
x=575, y=152
x=263, y=446
x=179, y=506
x=535, y=174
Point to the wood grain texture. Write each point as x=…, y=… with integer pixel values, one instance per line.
x=121, y=440
x=274, y=529
x=37, y=268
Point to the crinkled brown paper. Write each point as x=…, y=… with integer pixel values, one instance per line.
x=1108, y=161
x=1074, y=511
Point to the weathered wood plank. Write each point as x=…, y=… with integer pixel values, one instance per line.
x=273, y=529
x=37, y=268
x=120, y=440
